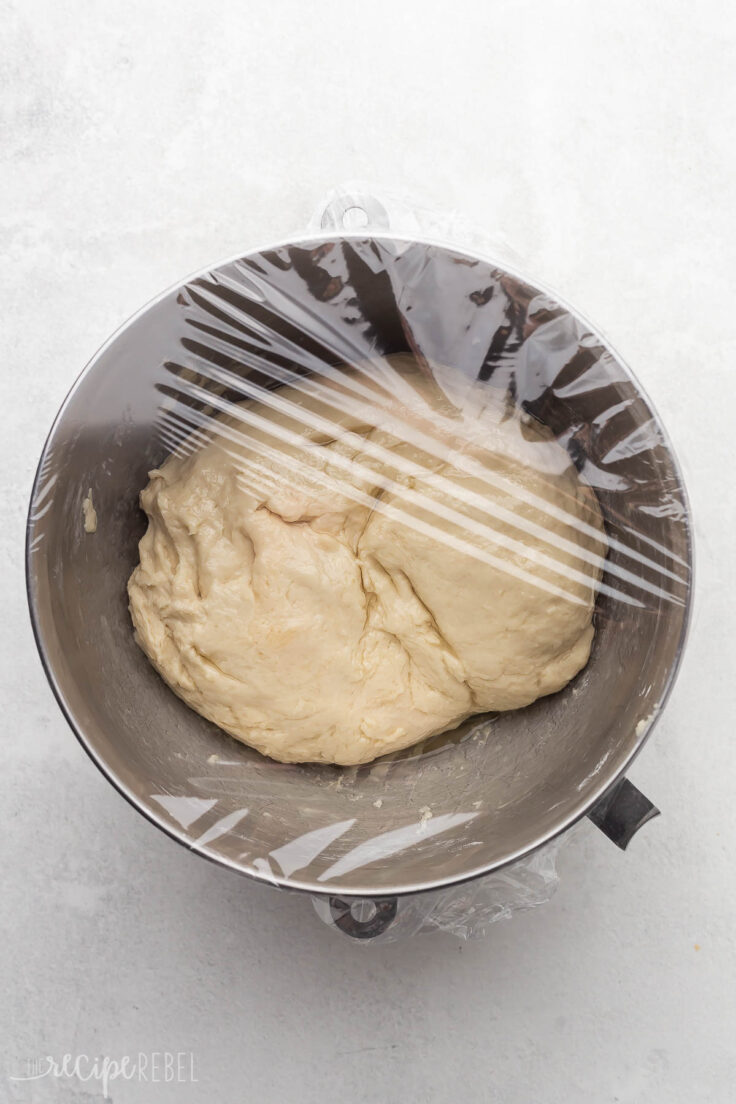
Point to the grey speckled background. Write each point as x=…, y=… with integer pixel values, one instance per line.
x=143, y=140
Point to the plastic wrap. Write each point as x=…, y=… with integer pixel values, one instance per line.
x=474, y=424
x=465, y=911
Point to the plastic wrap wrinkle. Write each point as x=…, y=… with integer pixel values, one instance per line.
x=178, y=422
x=469, y=910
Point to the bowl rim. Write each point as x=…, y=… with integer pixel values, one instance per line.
x=268, y=877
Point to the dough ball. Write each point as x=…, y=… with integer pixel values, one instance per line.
x=346, y=569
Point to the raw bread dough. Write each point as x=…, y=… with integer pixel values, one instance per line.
x=89, y=514
x=329, y=584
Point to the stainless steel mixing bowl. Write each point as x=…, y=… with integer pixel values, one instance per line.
x=495, y=789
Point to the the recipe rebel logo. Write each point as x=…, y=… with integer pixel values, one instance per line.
x=162, y=1067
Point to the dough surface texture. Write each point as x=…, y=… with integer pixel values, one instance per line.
x=338, y=570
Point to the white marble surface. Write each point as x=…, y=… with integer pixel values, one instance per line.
x=143, y=139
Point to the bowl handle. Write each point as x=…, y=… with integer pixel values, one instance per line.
x=353, y=211
x=621, y=812
x=363, y=918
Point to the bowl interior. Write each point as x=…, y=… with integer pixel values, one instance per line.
x=462, y=803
